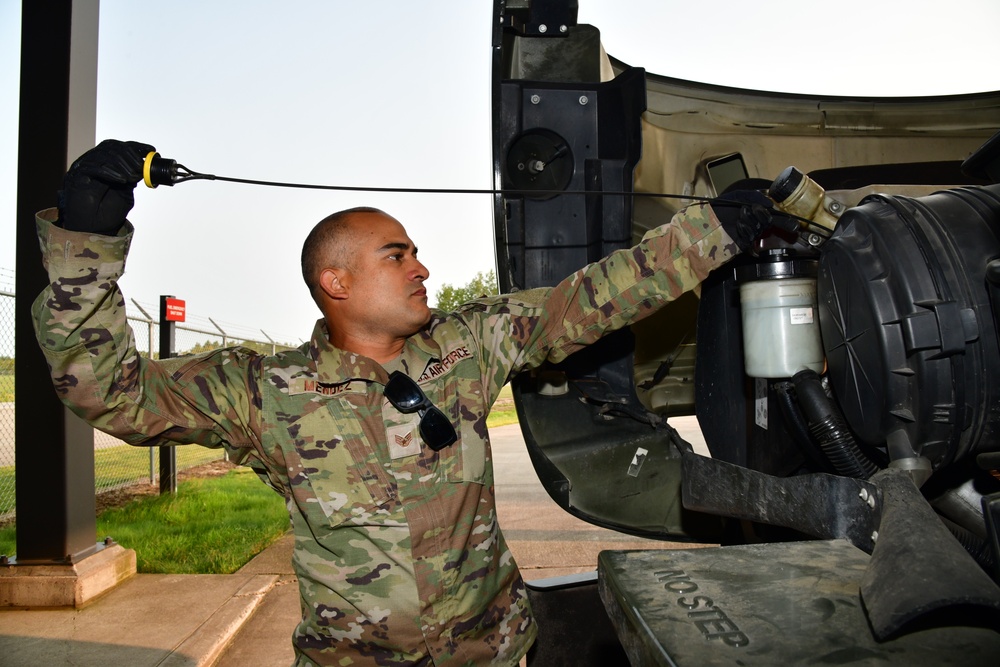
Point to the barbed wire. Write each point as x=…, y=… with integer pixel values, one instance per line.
x=6, y=279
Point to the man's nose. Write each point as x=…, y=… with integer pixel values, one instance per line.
x=420, y=271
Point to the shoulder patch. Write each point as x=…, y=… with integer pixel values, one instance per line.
x=436, y=368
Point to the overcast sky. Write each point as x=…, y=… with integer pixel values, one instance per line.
x=397, y=94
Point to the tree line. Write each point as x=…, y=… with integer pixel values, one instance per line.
x=450, y=297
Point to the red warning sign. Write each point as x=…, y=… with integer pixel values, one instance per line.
x=175, y=310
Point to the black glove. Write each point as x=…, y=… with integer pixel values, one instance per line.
x=97, y=190
x=747, y=214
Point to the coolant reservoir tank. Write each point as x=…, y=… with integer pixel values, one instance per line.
x=794, y=192
x=781, y=334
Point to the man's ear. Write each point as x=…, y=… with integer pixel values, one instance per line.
x=331, y=281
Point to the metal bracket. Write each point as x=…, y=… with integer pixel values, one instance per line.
x=821, y=505
x=547, y=18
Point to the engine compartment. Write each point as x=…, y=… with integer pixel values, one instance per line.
x=589, y=168
x=821, y=366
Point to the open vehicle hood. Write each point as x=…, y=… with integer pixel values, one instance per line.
x=617, y=129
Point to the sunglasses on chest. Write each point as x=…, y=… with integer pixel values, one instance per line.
x=406, y=396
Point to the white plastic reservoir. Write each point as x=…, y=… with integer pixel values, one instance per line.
x=780, y=327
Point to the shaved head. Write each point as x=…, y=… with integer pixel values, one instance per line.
x=329, y=244
x=362, y=271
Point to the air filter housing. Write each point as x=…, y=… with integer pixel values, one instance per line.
x=908, y=306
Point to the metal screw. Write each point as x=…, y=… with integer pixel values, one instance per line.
x=535, y=99
x=563, y=28
x=864, y=494
x=584, y=99
x=814, y=240
x=874, y=536
x=835, y=206
x=543, y=28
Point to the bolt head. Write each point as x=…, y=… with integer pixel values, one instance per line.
x=563, y=28
x=584, y=100
x=874, y=536
x=543, y=28
x=864, y=494
x=535, y=99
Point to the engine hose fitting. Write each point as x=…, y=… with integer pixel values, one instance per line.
x=158, y=170
x=828, y=428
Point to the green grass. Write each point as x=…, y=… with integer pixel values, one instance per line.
x=211, y=526
x=115, y=465
x=6, y=387
x=503, y=411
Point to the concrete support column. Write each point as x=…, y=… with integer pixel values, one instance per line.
x=56, y=526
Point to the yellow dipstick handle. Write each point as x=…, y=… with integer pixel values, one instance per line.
x=146, y=164
x=158, y=170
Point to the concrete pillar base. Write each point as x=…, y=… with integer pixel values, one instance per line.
x=73, y=585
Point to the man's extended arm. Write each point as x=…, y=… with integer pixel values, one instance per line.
x=81, y=324
x=624, y=287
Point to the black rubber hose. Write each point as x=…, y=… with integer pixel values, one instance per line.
x=827, y=426
x=798, y=427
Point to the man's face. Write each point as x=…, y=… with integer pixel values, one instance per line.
x=384, y=278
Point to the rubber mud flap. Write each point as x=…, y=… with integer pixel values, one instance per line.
x=920, y=575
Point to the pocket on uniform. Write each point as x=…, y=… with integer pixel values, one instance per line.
x=336, y=475
x=473, y=453
x=464, y=461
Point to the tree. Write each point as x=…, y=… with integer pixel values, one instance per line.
x=256, y=346
x=204, y=347
x=450, y=297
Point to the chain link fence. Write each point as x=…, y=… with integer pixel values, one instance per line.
x=6, y=391
x=116, y=464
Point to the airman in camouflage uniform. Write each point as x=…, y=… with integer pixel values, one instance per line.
x=397, y=550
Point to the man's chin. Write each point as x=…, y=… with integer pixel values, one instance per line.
x=420, y=320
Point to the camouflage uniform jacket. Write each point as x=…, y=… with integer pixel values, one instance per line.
x=397, y=549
